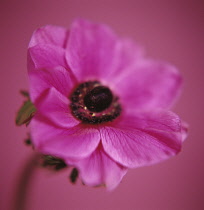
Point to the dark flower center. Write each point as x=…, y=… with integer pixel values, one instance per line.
x=91, y=102
x=98, y=99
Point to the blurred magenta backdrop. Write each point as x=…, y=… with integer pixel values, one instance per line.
x=171, y=30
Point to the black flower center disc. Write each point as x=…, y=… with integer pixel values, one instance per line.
x=98, y=99
x=94, y=103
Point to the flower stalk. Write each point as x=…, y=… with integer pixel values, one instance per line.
x=25, y=182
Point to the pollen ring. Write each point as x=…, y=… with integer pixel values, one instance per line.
x=93, y=103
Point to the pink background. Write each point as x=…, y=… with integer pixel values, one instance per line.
x=169, y=30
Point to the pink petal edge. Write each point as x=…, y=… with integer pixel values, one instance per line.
x=133, y=144
x=91, y=50
x=43, y=79
x=99, y=169
x=76, y=142
x=49, y=34
x=148, y=85
x=55, y=107
x=45, y=56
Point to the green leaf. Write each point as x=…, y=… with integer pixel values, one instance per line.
x=25, y=113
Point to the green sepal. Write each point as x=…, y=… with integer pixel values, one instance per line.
x=25, y=113
x=74, y=175
x=53, y=163
x=28, y=141
x=25, y=93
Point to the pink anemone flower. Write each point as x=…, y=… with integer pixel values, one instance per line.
x=101, y=106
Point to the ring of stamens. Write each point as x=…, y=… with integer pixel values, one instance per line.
x=93, y=103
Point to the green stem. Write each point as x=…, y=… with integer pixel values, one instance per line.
x=24, y=183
